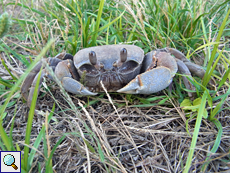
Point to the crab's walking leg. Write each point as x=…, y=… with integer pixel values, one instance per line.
x=186, y=67
x=31, y=93
x=32, y=77
x=67, y=74
x=193, y=68
x=183, y=69
x=29, y=79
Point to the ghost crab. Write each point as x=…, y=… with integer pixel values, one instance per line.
x=121, y=68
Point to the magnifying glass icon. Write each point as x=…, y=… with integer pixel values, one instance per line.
x=9, y=160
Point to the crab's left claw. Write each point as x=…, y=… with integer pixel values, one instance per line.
x=160, y=68
x=149, y=82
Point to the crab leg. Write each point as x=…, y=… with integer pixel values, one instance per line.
x=65, y=72
x=183, y=69
x=193, y=68
x=29, y=79
x=31, y=93
x=32, y=77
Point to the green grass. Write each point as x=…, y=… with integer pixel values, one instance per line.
x=197, y=28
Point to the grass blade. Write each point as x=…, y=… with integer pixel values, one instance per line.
x=224, y=78
x=19, y=57
x=216, y=144
x=30, y=121
x=196, y=131
x=38, y=140
x=101, y=5
x=219, y=105
x=27, y=7
x=53, y=150
x=207, y=75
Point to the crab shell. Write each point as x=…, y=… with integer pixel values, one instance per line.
x=109, y=68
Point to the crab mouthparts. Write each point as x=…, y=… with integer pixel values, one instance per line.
x=111, y=81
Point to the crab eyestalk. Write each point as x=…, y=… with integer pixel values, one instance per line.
x=92, y=58
x=123, y=55
x=123, y=58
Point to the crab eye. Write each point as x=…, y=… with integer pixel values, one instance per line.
x=92, y=58
x=123, y=55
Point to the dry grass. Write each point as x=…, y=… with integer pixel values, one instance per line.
x=150, y=139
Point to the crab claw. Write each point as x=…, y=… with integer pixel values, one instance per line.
x=149, y=82
x=65, y=72
x=75, y=87
x=159, y=69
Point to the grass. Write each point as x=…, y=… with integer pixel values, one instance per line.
x=113, y=132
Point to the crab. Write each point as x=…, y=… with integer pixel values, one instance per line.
x=120, y=68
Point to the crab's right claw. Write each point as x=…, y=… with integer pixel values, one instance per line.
x=75, y=87
x=68, y=76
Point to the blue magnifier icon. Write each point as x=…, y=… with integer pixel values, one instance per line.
x=9, y=160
